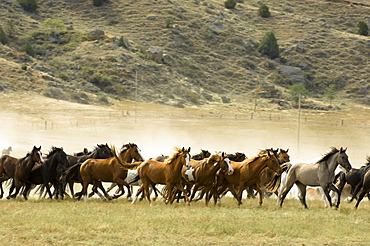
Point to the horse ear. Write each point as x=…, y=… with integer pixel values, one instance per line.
x=189, y=149
x=287, y=151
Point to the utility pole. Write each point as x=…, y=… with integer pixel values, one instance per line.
x=135, y=96
x=299, y=122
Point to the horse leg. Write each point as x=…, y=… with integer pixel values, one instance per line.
x=361, y=196
x=334, y=189
x=180, y=187
x=240, y=194
x=286, y=189
x=302, y=195
x=141, y=189
x=195, y=189
x=147, y=193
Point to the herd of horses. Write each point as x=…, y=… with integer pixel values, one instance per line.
x=182, y=175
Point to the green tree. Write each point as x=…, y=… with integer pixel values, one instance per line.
x=53, y=24
x=264, y=11
x=28, y=5
x=3, y=38
x=363, y=28
x=330, y=92
x=296, y=90
x=230, y=4
x=10, y=27
x=269, y=46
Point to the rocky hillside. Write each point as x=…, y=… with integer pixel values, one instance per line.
x=184, y=52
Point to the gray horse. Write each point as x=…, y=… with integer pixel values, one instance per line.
x=322, y=174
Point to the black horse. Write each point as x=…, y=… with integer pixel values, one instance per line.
x=49, y=172
x=354, y=179
x=72, y=174
x=203, y=154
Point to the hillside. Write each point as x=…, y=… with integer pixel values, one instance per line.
x=210, y=52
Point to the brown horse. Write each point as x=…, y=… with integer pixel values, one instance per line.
x=268, y=178
x=18, y=169
x=105, y=170
x=203, y=174
x=167, y=173
x=246, y=174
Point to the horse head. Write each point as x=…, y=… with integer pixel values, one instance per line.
x=283, y=156
x=272, y=162
x=229, y=170
x=135, y=152
x=186, y=154
x=36, y=154
x=342, y=159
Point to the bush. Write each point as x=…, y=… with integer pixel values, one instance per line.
x=28, y=48
x=269, y=46
x=363, y=29
x=169, y=22
x=230, y=4
x=28, y=5
x=97, y=3
x=263, y=11
x=3, y=38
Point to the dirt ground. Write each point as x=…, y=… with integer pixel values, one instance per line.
x=29, y=119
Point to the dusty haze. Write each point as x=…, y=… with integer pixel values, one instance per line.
x=34, y=120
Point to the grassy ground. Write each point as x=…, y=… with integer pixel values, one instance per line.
x=51, y=222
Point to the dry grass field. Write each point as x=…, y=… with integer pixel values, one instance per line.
x=46, y=222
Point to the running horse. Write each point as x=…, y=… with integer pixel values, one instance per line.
x=364, y=187
x=18, y=169
x=246, y=174
x=203, y=174
x=105, y=170
x=322, y=174
x=166, y=173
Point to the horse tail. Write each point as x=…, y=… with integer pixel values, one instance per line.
x=122, y=163
x=274, y=184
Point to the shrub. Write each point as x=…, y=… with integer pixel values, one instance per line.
x=363, y=29
x=97, y=3
x=169, y=22
x=28, y=48
x=230, y=4
x=263, y=11
x=3, y=38
x=28, y=5
x=269, y=46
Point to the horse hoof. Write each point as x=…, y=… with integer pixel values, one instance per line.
x=129, y=198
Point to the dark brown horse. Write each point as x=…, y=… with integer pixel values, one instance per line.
x=203, y=174
x=167, y=173
x=18, y=169
x=246, y=174
x=105, y=170
x=364, y=186
x=203, y=154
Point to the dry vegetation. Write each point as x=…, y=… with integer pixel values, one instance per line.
x=118, y=222
x=213, y=50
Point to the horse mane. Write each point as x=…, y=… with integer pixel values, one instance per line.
x=326, y=156
x=367, y=161
x=260, y=155
x=122, y=163
x=53, y=151
x=125, y=147
x=178, y=150
x=214, y=157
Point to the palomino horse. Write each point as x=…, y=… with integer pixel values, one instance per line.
x=246, y=174
x=22, y=169
x=54, y=165
x=105, y=170
x=322, y=174
x=167, y=173
x=203, y=174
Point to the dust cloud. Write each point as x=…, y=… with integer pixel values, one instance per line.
x=158, y=135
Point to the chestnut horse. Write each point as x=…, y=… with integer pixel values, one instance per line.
x=18, y=169
x=167, y=173
x=105, y=170
x=203, y=174
x=246, y=174
x=322, y=173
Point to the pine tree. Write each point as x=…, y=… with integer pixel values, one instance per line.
x=269, y=46
x=3, y=38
